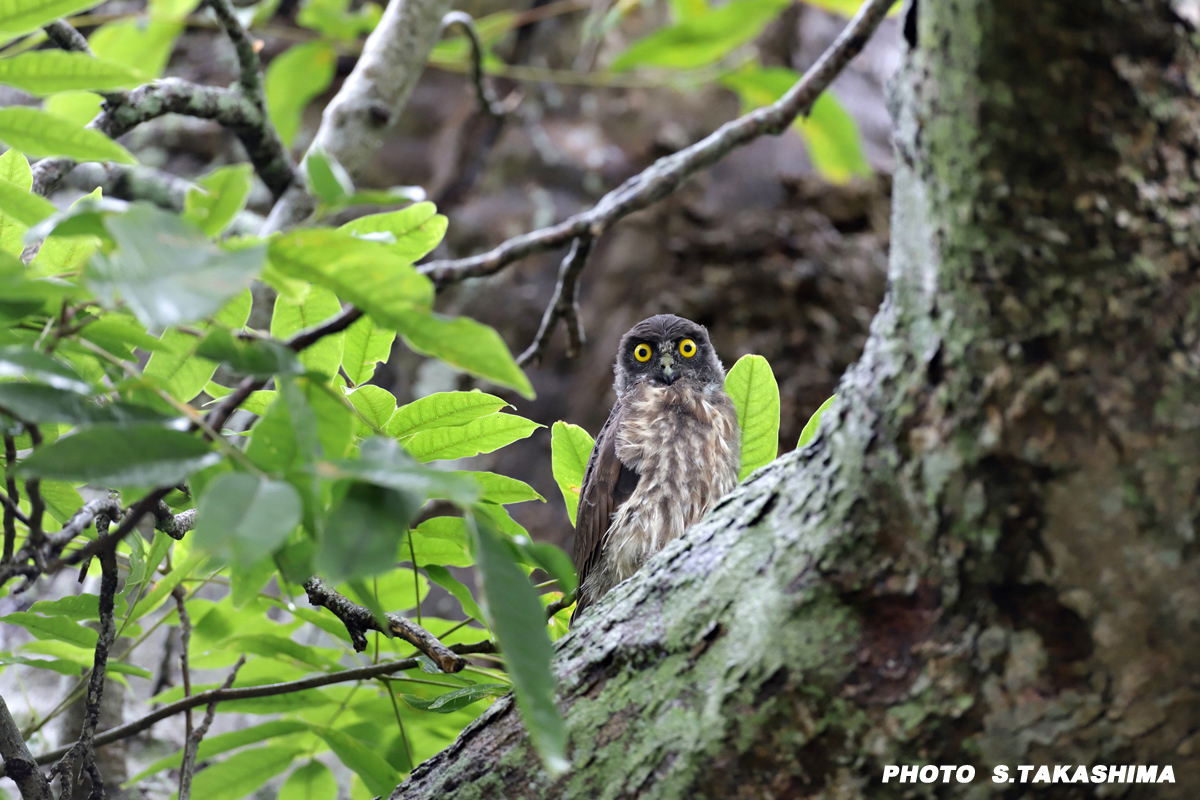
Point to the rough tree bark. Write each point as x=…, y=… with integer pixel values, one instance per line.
x=989, y=555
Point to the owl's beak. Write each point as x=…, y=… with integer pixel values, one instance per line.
x=666, y=369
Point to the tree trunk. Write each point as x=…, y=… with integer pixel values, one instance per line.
x=989, y=555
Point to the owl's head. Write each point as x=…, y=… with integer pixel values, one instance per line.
x=664, y=349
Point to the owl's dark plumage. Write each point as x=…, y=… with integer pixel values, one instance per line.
x=669, y=450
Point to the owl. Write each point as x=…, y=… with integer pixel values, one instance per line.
x=669, y=450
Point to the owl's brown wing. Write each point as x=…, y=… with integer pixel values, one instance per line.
x=607, y=483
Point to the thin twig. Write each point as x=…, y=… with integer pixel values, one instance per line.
x=84, y=748
x=245, y=693
x=37, y=503
x=11, y=508
x=487, y=98
x=359, y=619
x=192, y=745
x=669, y=173
x=563, y=305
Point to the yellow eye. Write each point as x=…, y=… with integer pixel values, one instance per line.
x=642, y=352
x=687, y=348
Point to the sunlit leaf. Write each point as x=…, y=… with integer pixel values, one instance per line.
x=442, y=409
x=242, y=773
x=293, y=80
x=461, y=342
x=702, y=39
x=570, y=448
x=814, y=422
x=26, y=362
x=482, y=435
x=292, y=315
x=377, y=774
x=752, y=387
x=415, y=230
x=442, y=577
x=365, y=345
x=43, y=72
x=218, y=197
x=23, y=16
x=33, y=131
x=60, y=629
x=313, y=781
x=22, y=205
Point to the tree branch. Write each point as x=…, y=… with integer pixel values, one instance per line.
x=19, y=763
x=231, y=109
x=371, y=99
x=669, y=173
x=359, y=619
x=563, y=305
x=249, y=66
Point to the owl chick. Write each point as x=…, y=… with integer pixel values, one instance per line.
x=669, y=450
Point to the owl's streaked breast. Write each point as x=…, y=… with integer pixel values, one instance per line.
x=684, y=442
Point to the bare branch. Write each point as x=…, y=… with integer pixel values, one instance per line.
x=563, y=305
x=11, y=509
x=19, y=763
x=84, y=748
x=37, y=504
x=249, y=66
x=173, y=525
x=358, y=620
x=371, y=99
x=192, y=744
x=231, y=109
x=63, y=34
x=669, y=173
x=487, y=99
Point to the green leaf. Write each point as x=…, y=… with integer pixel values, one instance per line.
x=482, y=435
x=375, y=404
x=570, y=448
x=702, y=39
x=439, y=540
x=519, y=624
x=163, y=587
x=442, y=577
x=831, y=134
x=363, y=273
x=442, y=410
x=135, y=455
x=327, y=178
x=222, y=743
x=459, y=698
x=246, y=580
x=365, y=344
x=383, y=463
x=377, y=774
x=23, y=16
x=43, y=72
x=304, y=423
x=244, y=517
x=293, y=80
x=22, y=205
x=814, y=422
x=167, y=270
x=260, y=358
x=176, y=367
x=395, y=589
x=144, y=44
x=77, y=106
x=501, y=489
x=62, y=500
x=14, y=168
x=59, y=629
x=78, y=607
x=415, y=230
x=292, y=315
x=362, y=532
x=752, y=387
x=313, y=781
x=35, y=132
x=25, y=362
x=38, y=404
x=473, y=347
x=242, y=773
x=218, y=197
x=58, y=665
